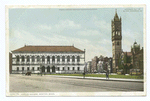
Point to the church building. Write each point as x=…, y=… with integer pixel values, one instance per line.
x=48, y=59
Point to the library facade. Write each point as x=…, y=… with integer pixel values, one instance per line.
x=47, y=59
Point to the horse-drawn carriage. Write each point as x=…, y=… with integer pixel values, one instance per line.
x=28, y=73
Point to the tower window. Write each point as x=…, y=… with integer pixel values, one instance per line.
x=117, y=43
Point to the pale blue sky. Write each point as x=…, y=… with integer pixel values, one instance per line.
x=86, y=29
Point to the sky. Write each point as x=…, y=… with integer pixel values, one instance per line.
x=88, y=29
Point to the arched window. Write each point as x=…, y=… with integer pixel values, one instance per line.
x=33, y=59
x=17, y=58
x=78, y=58
x=78, y=68
x=22, y=58
x=68, y=68
x=38, y=58
x=43, y=59
x=68, y=58
x=48, y=59
x=17, y=68
x=73, y=68
x=22, y=68
x=58, y=69
x=58, y=58
x=73, y=59
x=53, y=58
x=28, y=59
x=63, y=58
x=117, y=43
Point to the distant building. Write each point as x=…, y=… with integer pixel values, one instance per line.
x=132, y=61
x=137, y=57
x=94, y=64
x=89, y=65
x=10, y=62
x=48, y=59
x=101, y=64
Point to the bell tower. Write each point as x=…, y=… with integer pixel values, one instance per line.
x=116, y=40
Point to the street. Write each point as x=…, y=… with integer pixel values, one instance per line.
x=37, y=83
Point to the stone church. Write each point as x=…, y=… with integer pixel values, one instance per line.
x=135, y=56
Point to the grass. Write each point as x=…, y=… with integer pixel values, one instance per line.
x=101, y=75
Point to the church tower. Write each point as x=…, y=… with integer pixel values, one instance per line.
x=116, y=40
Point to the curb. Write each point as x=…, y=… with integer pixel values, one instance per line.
x=92, y=78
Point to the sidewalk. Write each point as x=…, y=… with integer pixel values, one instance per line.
x=100, y=78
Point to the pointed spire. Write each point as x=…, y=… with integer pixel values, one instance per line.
x=116, y=15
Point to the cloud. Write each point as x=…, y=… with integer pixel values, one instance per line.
x=67, y=24
x=129, y=38
x=101, y=24
x=44, y=27
x=87, y=32
x=91, y=48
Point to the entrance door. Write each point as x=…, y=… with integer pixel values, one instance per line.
x=43, y=69
x=48, y=69
x=53, y=69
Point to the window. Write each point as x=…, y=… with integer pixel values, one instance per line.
x=28, y=68
x=78, y=68
x=68, y=58
x=113, y=33
x=73, y=68
x=73, y=59
x=113, y=44
x=38, y=58
x=28, y=59
x=58, y=58
x=63, y=58
x=53, y=58
x=48, y=59
x=63, y=68
x=17, y=58
x=33, y=68
x=68, y=68
x=116, y=33
x=38, y=68
x=17, y=68
x=58, y=68
x=43, y=59
x=119, y=33
x=22, y=68
x=78, y=58
x=117, y=43
x=22, y=58
x=33, y=59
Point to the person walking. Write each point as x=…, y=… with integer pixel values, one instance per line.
x=106, y=74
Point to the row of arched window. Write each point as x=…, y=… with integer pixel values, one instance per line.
x=68, y=68
x=48, y=58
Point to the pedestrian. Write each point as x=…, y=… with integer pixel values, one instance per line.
x=106, y=74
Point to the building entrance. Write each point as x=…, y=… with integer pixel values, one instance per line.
x=53, y=69
x=48, y=69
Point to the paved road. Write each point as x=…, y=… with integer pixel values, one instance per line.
x=36, y=83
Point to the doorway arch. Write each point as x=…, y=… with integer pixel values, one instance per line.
x=48, y=69
x=43, y=69
x=53, y=69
